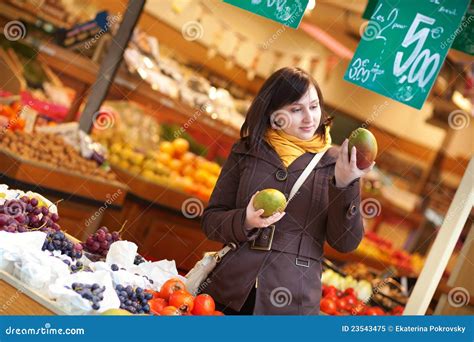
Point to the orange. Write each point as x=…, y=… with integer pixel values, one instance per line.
x=180, y=146
x=188, y=158
x=167, y=147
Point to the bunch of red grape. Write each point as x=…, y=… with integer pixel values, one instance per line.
x=25, y=215
x=99, y=242
x=57, y=241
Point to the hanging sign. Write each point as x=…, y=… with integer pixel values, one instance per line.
x=403, y=47
x=286, y=12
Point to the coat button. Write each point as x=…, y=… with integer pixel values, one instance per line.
x=352, y=210
x=281, y=175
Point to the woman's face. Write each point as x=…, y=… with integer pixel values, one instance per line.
x=302, y=116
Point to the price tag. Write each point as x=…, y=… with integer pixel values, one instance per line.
x=403, y=47
x=286, y=12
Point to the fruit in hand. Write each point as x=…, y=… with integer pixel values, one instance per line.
x=270, y=200
x=366, y=147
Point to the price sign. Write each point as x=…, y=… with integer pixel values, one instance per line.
x=465, y=33
x=286, y=12
x=403, y=47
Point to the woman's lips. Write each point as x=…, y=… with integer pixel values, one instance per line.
x=307, y=129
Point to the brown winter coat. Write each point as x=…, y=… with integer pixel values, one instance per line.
x=319, y=212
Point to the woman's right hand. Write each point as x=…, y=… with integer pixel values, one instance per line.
x=254, y=219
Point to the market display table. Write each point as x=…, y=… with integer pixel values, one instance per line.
x=155, y=219
x=83, y=201
x=18, y=299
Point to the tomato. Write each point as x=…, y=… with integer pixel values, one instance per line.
x=218, y=313
x=359, y=309
x=171, y=286
x=398, y=310
x=170, y=311
x=328, y=306
x=350, y=292
x=204, y=305
x=157, y=305
x=183, y=300
x=341, y=303
x=374, y=311
x=329, y=290
x=351, y=301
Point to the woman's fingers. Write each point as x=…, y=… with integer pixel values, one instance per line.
x=353, y=157
x=267, y=221
x=345, y=152
x=367, y=170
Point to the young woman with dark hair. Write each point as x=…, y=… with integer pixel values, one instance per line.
x=276, y=267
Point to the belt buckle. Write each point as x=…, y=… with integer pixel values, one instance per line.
x=268, y=243
x=302, y=262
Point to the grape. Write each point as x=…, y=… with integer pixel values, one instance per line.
x=93, y=293
x=133, y=300
x=99, y=242
x=34, y=202
x=114, y=267
x=57, y=241
x=138, y=259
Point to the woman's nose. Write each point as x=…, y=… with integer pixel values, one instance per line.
x=307, y=115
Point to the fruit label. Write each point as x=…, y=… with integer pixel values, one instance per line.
x=286, y=12
x=403, y=47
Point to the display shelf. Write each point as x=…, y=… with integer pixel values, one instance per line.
x=19, y=299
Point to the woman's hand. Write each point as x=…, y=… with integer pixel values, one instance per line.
x=346, y=171
x=254, y=219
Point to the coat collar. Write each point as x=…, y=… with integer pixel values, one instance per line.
x=268, y=154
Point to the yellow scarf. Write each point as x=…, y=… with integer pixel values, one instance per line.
x=289, y=147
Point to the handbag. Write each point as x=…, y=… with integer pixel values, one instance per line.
x=195, y=278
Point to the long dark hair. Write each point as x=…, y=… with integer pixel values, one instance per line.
x=283, y=87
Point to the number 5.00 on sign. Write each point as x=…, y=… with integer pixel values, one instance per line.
x=403, y=47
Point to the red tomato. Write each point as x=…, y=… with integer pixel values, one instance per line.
x=328, y=306
x=332, y=296
x=341, y=303
x=350, y=292
x=351, y=301
x=374, y=311
x=398, y=310
x=218, y=313
x=171, y=286
x=329, y=290
x=170, y=311
x=157, y=305
x=183, y=300
x=204, y=305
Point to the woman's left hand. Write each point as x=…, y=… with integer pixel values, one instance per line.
x=346, y=171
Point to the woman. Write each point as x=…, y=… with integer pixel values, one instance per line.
x=284, y=128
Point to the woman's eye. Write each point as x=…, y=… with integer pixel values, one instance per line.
x=314, y=107
x=294, y=110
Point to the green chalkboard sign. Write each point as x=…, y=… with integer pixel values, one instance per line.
x=369, y=9
x=286, y=12
x=403, y=47
x=464, y=40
